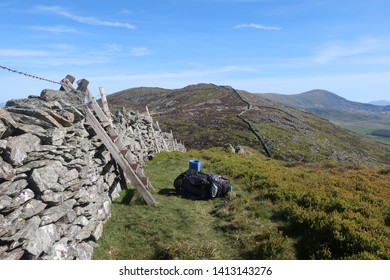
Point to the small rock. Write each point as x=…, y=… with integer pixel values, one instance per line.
x=6, y=171
x=229, y=148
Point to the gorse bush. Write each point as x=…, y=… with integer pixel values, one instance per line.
x=332, y=211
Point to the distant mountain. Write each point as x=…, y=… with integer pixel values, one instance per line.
x=2, y=104
x=207, y=115
x=322, y=99
x=380, y=102
x=361, y=118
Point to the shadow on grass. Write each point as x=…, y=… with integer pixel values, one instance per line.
x=168, y=192
x=127, y=197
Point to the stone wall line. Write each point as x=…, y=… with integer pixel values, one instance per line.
x=57, y=180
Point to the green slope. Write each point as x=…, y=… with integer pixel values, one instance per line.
x=358, y=117
x=205, y=115
x=304, y=212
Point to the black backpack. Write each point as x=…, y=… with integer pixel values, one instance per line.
x=219, y=186
x=197, y=185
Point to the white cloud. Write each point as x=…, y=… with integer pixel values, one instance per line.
x=257, y=26
x=82, y=19
x=55, y=29
x=21, y=53
x=139, y=51
x=336, y=50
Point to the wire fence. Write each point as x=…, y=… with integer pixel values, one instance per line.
x=29, y=75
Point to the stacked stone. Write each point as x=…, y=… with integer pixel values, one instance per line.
x=143, y=136
x=56, y=181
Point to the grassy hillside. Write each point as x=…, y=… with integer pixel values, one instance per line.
x=358, y=117
x=205, y=116
x=308, y=211
x=202, y=116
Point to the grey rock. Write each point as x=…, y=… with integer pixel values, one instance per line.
x=84, y=251
x=93, y=229
x=25, y=119
x=82, y=197
x=41, y=241
x=32, y=208
x=17, y=201
x=57, y=136
x=19, y=146
x=54, y=213
x=13, y=188
x=68, y=176
x=81, y=221
x=6, y=171
x=46, y=178
x=60, y=251
x=7, y=119
x=33, y=129
x=229, y=148
x=3, y=128
x=75, y=97
x=69, y=217
x=72, y=231
x=26, y=232
x=240, y=150
x=3, y=144
x=5, y=201
x=12, y=223
x=32, y=165
x=52, y=198
x=13, y=254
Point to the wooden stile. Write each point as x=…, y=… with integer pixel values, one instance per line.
x=139, y=182
x=103, y=126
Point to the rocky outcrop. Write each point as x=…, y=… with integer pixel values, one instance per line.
x=57, y=180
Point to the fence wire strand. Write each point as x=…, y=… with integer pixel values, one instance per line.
x=29, y=75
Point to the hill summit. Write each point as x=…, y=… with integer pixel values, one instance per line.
x=208, y=115
x=318, y=99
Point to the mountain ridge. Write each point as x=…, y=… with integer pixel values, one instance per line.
x=206, y=115
x=362, y=118
x=319, y=98
x=380, y=102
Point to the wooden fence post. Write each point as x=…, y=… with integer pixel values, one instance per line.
x=106, y=110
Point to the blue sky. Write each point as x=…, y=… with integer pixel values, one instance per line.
x=281, y=46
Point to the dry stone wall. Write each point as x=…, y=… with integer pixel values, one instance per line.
x=57, y=180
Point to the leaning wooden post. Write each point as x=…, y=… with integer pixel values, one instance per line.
x=157, y=149
x=173, y=142
x=67, y=83
x=105, y=104
x=162, y=136
x=82, y=85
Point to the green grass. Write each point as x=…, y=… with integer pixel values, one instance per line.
x=287, y=211
x=368, y=129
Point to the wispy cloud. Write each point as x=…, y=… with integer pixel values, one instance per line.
x=55, y=29
x=257, y=26
x=189, y=74
x=140, y=51
x=83, y=19
x=336, y=50
x=22, y=53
